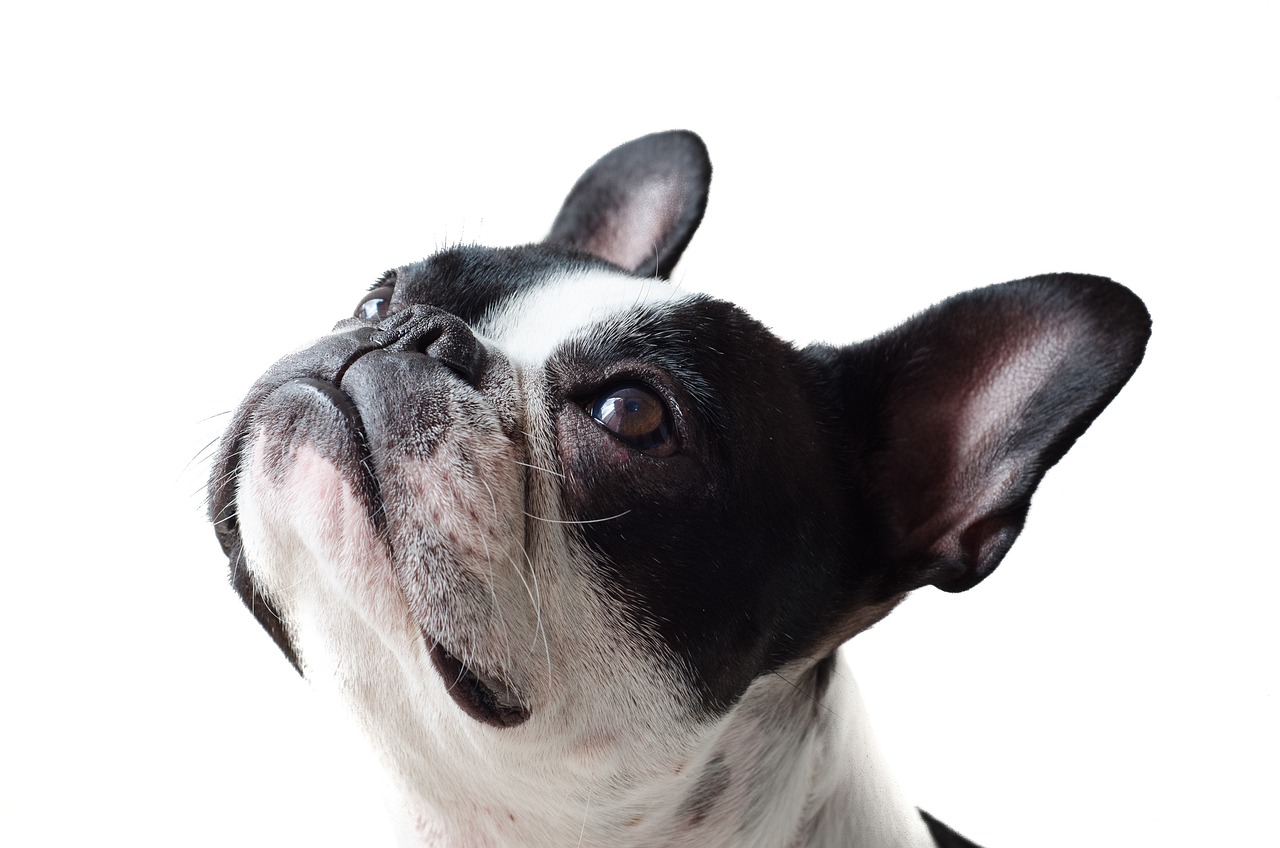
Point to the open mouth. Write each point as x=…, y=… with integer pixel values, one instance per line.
x=481, y=696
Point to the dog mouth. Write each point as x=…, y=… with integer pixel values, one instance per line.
x=483, y=697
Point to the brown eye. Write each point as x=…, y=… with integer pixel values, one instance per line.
x=635, y=415
x=376, y=304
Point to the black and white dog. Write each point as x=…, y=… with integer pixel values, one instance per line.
x=578, y=549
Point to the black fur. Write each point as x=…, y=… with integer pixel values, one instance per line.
x=639, y=205
x=468, y=281
x=943, y=835
x=808, y=489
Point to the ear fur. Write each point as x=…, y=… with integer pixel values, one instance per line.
x=639, y=206
x=952, y=419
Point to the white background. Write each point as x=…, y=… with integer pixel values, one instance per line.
x=189, y=192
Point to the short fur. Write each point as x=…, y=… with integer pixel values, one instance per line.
x=578, y=550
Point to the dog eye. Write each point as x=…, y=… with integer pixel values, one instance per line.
x=376, y=304
x=635, y=415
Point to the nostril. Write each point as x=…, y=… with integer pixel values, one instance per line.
x=461, y=353
x=424, y=342
x=439, y=335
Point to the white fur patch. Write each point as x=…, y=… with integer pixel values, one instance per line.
x=529, y=327
x=611, y=754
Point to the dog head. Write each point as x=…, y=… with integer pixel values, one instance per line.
x=535, y=514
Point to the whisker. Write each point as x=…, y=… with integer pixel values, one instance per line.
x=586, y=811
x=215, y=415
x=539, y=468
x=576, y=521
x=492, y=500
x=200, y=454
x=229, y=513
x=226, y=475
x=202, y=492
x=497, y=604
x=493, y=590
x=535, y=596
x=804, y=692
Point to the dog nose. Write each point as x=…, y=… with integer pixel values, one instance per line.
x=437, y=334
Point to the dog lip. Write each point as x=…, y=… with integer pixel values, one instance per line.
x=224, y=479
x=483, y=697
x=367, y=478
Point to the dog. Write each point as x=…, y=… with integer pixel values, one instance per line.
x=578, y=549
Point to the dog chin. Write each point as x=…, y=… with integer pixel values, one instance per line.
x=309, y=493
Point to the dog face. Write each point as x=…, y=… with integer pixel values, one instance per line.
x=536, y=515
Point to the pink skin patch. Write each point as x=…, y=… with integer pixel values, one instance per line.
x=324, y=528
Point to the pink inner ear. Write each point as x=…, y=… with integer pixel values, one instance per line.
x=1020, y=368
x=991, y=411
x=972, y=401
x=633, y=232
x=964, y=428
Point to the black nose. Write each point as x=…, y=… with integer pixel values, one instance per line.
x=437, y=334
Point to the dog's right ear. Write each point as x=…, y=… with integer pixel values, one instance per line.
x=640, y=204
x=948, y=423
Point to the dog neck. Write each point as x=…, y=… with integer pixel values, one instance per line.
x=792, y=764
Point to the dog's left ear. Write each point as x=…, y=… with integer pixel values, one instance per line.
x=640, y=204
x=949, y=422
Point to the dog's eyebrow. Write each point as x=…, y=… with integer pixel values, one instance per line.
x=674, y=338
x=540, y=320
x=389, y=278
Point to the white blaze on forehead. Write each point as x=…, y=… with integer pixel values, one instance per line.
x=531, y=325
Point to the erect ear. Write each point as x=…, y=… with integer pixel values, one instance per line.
x=640, y=204
x=954, y=417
